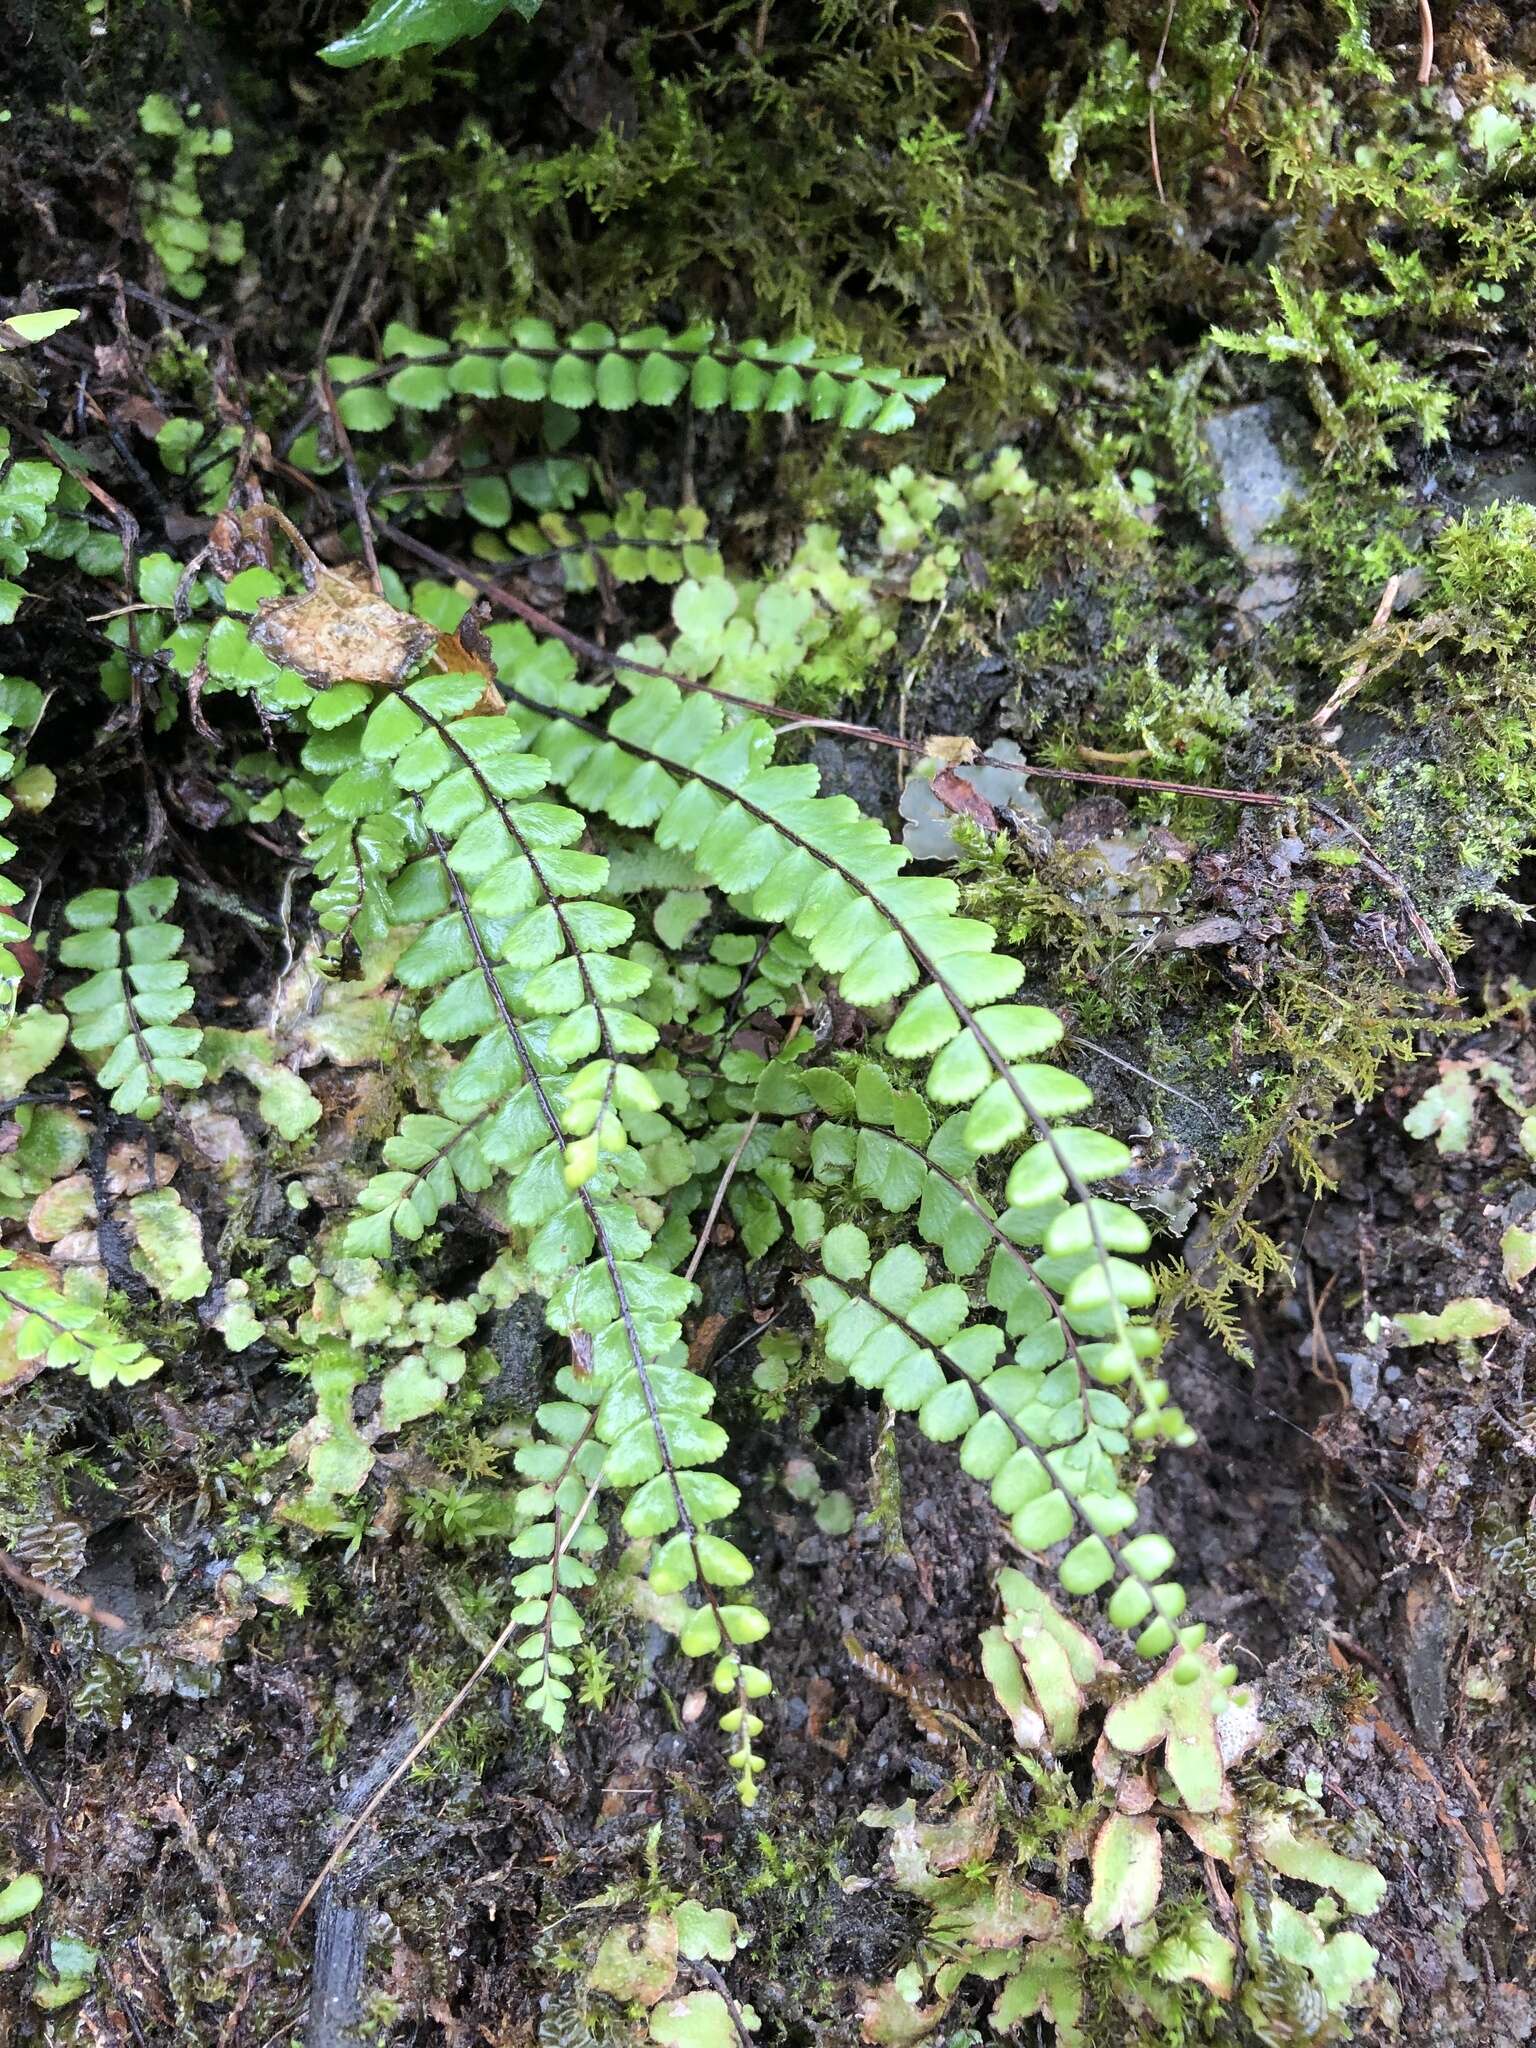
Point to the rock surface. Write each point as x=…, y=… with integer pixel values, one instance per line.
x=1258, y=483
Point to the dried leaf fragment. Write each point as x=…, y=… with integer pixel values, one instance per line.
x=342, y=631
x=1127, y=1874
x=956, y=794
x=950, y=747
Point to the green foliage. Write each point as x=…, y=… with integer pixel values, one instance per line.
x=1045, y=1439
x=20, y=1897
x=1377, y=396
x=24, y=329
x=1486, y=568
x=21, y=705
x=636, y=543
x=57, y=1330
x=64, y=1964
x=537, y=983
x=172, y=206
x=538, y=1047
x=40, y=508
x=538, y=1044
x=1130, y=1950
x=594, y=366
x=391, y=27
x=136, y=989
x=599, y=914
x=638, y=1963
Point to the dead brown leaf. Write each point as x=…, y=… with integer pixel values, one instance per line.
x=128, y=1169
x=454, y=658
x=956, y=794
x=342, y=631
x=26, y=1710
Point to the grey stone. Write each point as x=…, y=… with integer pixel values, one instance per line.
x=1267, y=596
x=1517, y=484
x=1257, y=479
x=1364, y=1370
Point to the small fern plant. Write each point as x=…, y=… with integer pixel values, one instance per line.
x=517, y=832
x=128, y=1006
x=41, y=518
x=47, y=1328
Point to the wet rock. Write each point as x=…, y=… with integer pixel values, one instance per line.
x=1364, y=1369
x=848, y=768
x=960, y=695
x=1267, y=596
x=1424, y=1644
x=517, y=1336
x=1518, y=484
x=1257, y=480
x=1257, y=483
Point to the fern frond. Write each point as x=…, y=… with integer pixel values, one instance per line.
x=636, y=543
x=667, y=759
x=21, y=705
x=430, y=765
x=516, y=954
x=355, y=859
x=128, y=1006
x=1045, y=1443
x=594, y=366
x=565, y=1468
x=887, y=1155
x=65, y=1333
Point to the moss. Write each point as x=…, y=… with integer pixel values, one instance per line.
x=1485, y=568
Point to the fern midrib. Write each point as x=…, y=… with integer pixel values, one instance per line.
x=942, y=1358
x=565, y=1532
x=994, y=1229
x=26, y=1308
x=464, y=1130
x=877, y=374
x=583, y=1194
x=604, y=1243
x=924, y=960
x=1015, y=1252
x=134, y=1025
x=444, y=732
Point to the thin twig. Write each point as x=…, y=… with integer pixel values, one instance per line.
x=1154, y=87
x=1354, y=675
x=720, y=1187
x=1242, y=77
x=909, y=673
x=713, y=1978
x=983, y=113
x=109, y=281
x=1378, y=867
x=871, y=736
x=56, y=1596
x=19, y=1756
x=1426, y=42
x=425, y=1742
x=355, y=490
x=1130, y=1067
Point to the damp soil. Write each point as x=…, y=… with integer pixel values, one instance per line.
x=1324, y=1534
